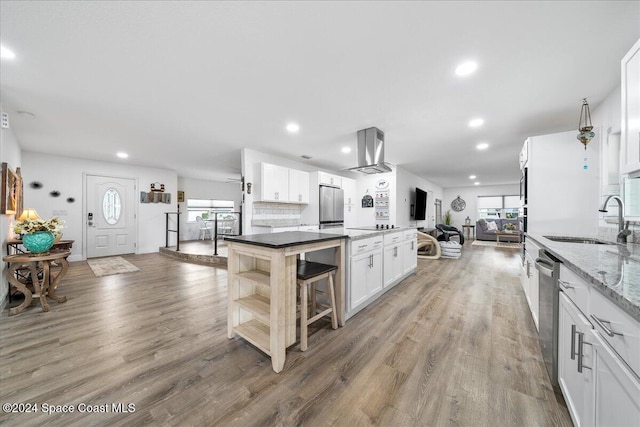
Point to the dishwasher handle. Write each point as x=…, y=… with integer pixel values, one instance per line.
x=545, y=267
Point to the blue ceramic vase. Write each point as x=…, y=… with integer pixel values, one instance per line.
x=38, y=242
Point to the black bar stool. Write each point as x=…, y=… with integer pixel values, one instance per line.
x=309, y=273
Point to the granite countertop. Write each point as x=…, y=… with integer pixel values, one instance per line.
x=284, y=239
x=612, y=269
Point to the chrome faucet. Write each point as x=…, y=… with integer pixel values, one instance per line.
x=623, y=228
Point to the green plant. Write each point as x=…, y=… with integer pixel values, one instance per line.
x=447, y=218
x=509, y=226
x=28, y=226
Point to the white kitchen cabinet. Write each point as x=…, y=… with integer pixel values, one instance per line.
x=351, y=216
x=392, y=270
x=575, y=362
x=325, y=178
x=308, y=228
x=283, y=185
x=366, y=277
x=298, y=186
x=410, y=251
x=274, y=183
x=630, y=132
x=617, y=389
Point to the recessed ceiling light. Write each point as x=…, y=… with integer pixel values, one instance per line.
x=293, y=128
x=482, y=146
x=466, y=68
x=6, y=53
x=346, y=149
x=472, y=177
x=122, y=155
x=476, y=123
x=476, y=183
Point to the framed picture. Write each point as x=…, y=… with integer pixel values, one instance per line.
x=11, y=202
x=180, y=196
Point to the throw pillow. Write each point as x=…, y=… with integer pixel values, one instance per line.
x=491, y=226
x=483, y=224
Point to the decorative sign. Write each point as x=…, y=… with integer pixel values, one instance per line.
x=367, y=201
x=180, y=196
x=382, y=184
x=155, y=197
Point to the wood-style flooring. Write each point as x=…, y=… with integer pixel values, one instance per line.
x=453, y=345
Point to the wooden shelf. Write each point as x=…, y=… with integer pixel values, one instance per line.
x=257, y=333
x=257, y=276
x=257, y=305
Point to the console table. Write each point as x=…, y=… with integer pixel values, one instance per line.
x=43, y=287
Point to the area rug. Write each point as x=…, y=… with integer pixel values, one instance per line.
x=111, y=265
x=512, y=245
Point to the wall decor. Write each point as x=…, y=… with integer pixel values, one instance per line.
x=155, y=197
x=71, y=199
x=54, y=193
x=367, y=200
x=11, y=202
x=180, y=196
x=458, y=204
x=157, y=187
x=36, y=185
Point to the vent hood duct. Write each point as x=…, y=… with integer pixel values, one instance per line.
x=371, y=152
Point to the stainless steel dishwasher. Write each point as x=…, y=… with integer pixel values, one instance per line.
x=548, y=294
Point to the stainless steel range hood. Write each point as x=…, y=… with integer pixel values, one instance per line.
x=371, y=152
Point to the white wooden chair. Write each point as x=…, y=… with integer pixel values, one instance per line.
x=204, y=229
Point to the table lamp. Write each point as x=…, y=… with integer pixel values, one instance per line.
x=28, y=213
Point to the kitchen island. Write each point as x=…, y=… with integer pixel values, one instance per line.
x=262, y=286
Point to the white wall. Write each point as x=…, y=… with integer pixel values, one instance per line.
x=406, y=184
x=66, y=176
x=470, y=196
x=202, y=189
x=11, y=154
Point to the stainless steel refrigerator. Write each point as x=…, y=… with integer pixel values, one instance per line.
x=331, y=207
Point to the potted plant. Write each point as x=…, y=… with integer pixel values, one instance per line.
x=509, y=227
x=38, y=234
x=447, y=218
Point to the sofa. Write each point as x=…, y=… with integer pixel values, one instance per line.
x=483, y=231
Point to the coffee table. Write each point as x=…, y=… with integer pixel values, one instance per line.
x=508, y=233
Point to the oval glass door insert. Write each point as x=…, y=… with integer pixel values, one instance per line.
x=111, y=206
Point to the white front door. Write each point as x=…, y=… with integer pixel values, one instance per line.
x=110, y=216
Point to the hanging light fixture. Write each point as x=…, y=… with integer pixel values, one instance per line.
x=585, y=134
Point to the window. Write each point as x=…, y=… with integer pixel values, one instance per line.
x=111, y=206
x=206, y=208
x=498, y=206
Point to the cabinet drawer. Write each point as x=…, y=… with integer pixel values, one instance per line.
x=365, y=245
x=410, y=235
x=392, y=238
x=619, y=329
x=575, y=287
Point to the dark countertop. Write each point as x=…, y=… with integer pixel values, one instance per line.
x=614, y=270
x=284, y=239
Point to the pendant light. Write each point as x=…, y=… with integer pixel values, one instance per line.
x=585, y=134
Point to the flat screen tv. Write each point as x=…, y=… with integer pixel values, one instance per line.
x=421, y=205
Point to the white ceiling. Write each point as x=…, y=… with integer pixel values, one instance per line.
x=186, y=85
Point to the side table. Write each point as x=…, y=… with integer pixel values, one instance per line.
x=43, y=287
x=469, y=230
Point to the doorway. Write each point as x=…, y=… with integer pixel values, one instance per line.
x=110, y=222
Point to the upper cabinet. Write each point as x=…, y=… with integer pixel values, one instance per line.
x=298, y=186
x=349, y=187
x=630, y=135
x=283, y=185
x=328, y=179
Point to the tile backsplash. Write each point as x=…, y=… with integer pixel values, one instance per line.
x=610, y=232
x=276, y=213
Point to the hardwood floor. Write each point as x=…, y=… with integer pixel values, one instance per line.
x=453, y=345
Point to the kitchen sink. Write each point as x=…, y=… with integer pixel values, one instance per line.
x=586, y=240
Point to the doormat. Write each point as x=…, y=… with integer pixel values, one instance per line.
x=111, y=265
x=511, y=245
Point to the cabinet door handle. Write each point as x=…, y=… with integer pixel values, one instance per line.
x=580, y=353
x=607, y=330
x=565, y=285
x=528, y=269
x=573, y=342
x=395, y=251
